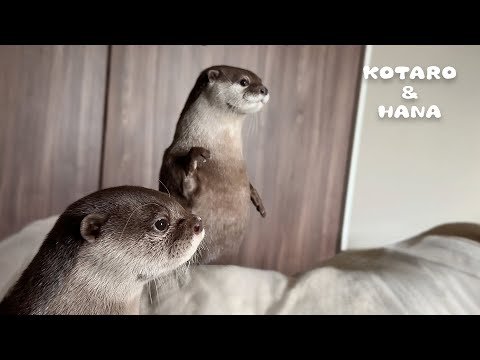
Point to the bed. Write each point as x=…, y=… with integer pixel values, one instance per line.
x=436, y=272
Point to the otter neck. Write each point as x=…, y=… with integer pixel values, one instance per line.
x=107, y=290
x=204, y=124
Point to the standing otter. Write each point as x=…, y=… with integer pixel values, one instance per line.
x=101, y=252
x=204, y=167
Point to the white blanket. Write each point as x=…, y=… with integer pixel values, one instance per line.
x=429, y=274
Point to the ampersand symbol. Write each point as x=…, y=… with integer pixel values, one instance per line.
x=408, y=93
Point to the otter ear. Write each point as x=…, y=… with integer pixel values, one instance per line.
x=213, y=75
x=90, y=226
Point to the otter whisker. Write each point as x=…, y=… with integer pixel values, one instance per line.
x=156, y=287
x=150, y=293
x=230, y=80
x=164, y=187
x=128, y=220
x=170, y=247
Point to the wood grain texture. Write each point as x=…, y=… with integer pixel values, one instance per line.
x=51, y=118
x=297, y=148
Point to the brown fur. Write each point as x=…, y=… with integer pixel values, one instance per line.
x=204, y=167
x=102, y=251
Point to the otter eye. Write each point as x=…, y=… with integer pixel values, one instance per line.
x=162, y=224
x=244, y=82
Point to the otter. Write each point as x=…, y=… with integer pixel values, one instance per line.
x=102, y=251
x=204, y=167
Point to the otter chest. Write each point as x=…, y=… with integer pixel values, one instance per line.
x=225, y=188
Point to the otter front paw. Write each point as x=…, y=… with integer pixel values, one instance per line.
x=257, y=201
x=197, y=157
x=261, y=210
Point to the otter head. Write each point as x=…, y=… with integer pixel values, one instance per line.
x=136, y=233
x=234, y=89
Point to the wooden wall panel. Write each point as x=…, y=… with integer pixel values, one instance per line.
x=51, y=123
x=297, y=148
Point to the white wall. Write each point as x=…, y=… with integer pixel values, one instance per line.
x=409, y=175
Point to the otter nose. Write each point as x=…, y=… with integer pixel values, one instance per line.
x=197, y=225
x=263, y=90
